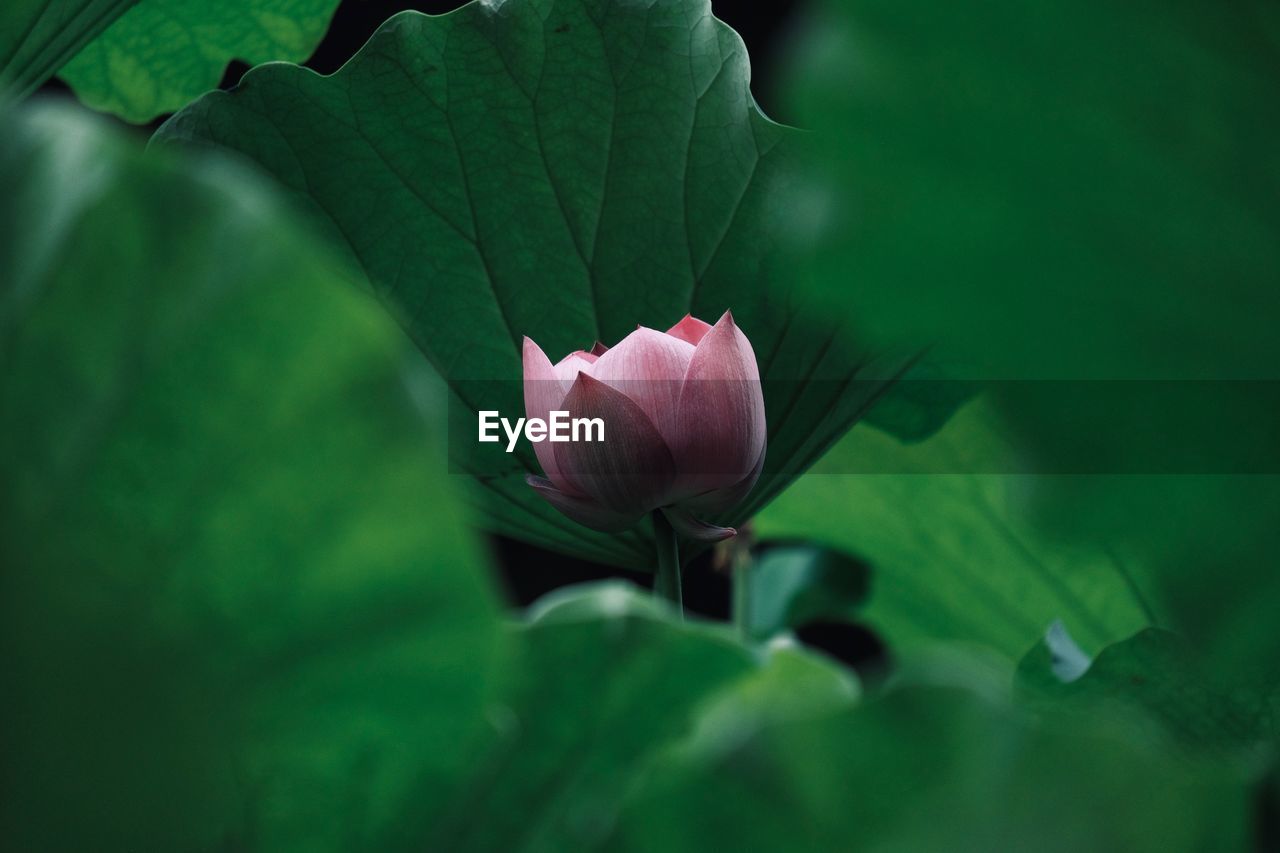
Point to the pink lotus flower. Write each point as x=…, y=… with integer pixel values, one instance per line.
x=684, y=426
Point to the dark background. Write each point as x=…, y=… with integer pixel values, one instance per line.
x=527, y=572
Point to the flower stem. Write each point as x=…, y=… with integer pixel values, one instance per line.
x=667, y=582
x=741, y=594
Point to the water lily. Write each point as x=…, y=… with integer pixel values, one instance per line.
x=684, y=433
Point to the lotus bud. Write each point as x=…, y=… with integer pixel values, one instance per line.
x=684, y=426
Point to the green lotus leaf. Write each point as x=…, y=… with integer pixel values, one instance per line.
x=240, y=608
x=141, y=58
x=565, y=170
x=933, y=767
x=162, y=54
x=952, y=556
x=1158, y=684
x=605, y=684
x=37, y=37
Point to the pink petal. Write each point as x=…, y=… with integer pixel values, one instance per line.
x=718, y=500
x=648, y=367
x=574, y=363
x=631, y=471
x=588, y=357
x=689, y=329
x=691, y=528
x=543, y=392
x=585, y=511
x=598, y=349
x=720, y=418
x=645, y=354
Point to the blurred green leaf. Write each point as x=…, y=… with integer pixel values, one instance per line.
x=164, y=53
x=929, y=767
x=1061, y=189
x=792, y=683
x=604, y=682
x=1081, y=191
x=789, y=585
x=1203, y=548
x=38, y=36
x=238, y=607
x=950, y=556
x=562, y=169
x=1157, y=683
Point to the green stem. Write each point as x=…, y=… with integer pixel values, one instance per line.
x=739, y=561
x=667, y=582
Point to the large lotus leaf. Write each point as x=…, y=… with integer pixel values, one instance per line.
x=164, y=53
x=951, y=554
x=238, y=606
x=1158, y=684
x=601, y=681
x=1081, y=191
x=605, y=682
x=562, y=169
x=38, y=36
x=933, y=768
